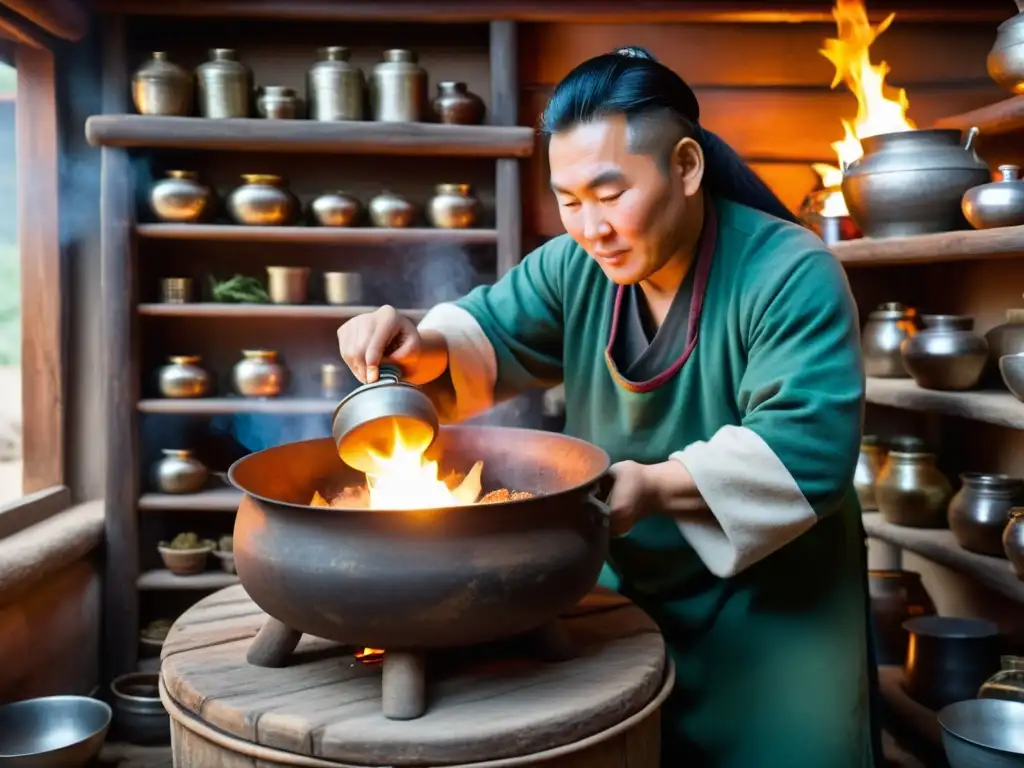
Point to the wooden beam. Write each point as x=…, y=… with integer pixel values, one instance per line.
x=992, y=120
x=42, y=284
x=65, y=19
x=508, y=198
x=32, y=509
x=411, y=236
x=1007, y=242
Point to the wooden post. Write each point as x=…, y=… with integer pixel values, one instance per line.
x=505, y=111
x=117, y=216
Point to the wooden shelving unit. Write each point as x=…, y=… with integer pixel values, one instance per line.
x=215, y=500
x=997, y=119
x=210, y=406
x=275, y=311
x=326, y=235
x=999, y=408
x=161, y=579
x=1006, y=242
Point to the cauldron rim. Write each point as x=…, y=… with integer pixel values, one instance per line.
x=601, y=457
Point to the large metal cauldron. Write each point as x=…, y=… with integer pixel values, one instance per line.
x=431, y=578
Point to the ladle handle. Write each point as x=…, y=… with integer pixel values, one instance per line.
x=971, y=136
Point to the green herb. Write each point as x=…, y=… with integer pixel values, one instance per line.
x=186, y=541
x=240, y=289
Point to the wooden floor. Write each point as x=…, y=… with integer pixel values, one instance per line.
x=127, y=756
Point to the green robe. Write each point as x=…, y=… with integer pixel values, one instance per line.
x=755, y=384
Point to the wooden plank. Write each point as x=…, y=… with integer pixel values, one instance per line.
x=32, y=509
x=508, y=200
x=996, y=119
x=121, y=607
x=706, y=55
x=165, y=580
x=1000, y=408
x=277, y=311
x=323, y=235
x=215, y=500
x=940, y=546
x=308, y=136
x=209, y=406
x=644, y=11
x=66, y=19
x=42, y=280
x=944, y=246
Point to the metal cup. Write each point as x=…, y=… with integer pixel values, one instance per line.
x=331, y=379
x=343, y=287
x=176, y=290
x=288, y=285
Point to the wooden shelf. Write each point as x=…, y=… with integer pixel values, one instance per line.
x=164, y=579
x=214, y=500
x=991, y=406
x=324, y=235
x=993, y=120
x=940, y=546
x=1004, y=242
x=211, y=406
x=282, y=311
x=344, y=137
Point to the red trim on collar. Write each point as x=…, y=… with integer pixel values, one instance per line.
x=705, y=255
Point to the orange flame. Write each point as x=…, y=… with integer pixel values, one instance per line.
x=876, y=113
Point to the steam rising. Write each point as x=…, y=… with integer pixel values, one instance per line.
x=257, y=431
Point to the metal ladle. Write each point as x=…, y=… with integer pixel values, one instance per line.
x=369, y=418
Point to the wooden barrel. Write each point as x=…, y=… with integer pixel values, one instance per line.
x=489, y=707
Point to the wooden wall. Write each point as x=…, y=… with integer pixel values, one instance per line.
x=764, y=88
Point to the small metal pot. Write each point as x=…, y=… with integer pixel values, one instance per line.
x=983, y=733
x=225, y=85
x=334, y=86
x=258, y=374
x=139, y=715
x=1004, y=339
x=998, y=203
x=1005, y=62
x=178, y=472
x=398, y=92
x=1013, y=541
x=453, y=206
x=176, y=290
x=332, y=380
x=182, y=377
x=910, y=490
x=181, y=198
x=343, y=287
x=263, y=200
x=455, y=104
x=336, y=209
x=948, y=658
x=980, y=510
x=391, y=210
x=947, y=354
x=372, y=417
x=869, y=464
x=288, y=285
x=161, y=87
x=888, y=326
x=277, y=102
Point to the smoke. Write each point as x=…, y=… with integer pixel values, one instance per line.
x=256, y=431
x=439, y=273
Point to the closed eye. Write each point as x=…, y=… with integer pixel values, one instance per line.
x=611, y=198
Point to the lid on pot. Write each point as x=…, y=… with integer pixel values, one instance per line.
x=951, y=627
x=908, y=444
x=891, y=310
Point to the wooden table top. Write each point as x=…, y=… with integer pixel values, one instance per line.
x=482, y=704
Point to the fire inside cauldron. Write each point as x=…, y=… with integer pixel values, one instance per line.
x=504, y=538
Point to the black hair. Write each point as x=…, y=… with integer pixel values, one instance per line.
x=631, y=82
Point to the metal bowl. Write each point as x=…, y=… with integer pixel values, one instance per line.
x=1011, y=368
x=983, y=733
x=52, y=732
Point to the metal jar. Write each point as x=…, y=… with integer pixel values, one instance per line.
x=887, y=328
x=910, y=490
x=277, y=102
x=869, y=465
x=948, y=658
x=343, y=287
x=336, y=209
x=455, y=104
x=161, y=87
x=390, y=210
x=997, y=203
x=258, y=374
x=1005, y=62
x=263, y=200
x=288, y=285
x=181, y=198
x=398, y=90
x=183, y=377
x=1004, y=339
x=912, y=182
x=225, y=85
x=1013, y=541
x=335, y=88
x=946, y=355
x=453, y=206
x=179, y=472
x=1007, y=683
x=979, y=512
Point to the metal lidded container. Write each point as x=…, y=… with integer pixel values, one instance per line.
x=335, y=88
x=161, y=87
x=225, y=85
x=398, y=90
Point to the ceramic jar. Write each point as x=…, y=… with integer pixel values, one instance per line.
x=398, y=92
x=457, y=105
x=264, y=200
x=288, y=285
x=1013, y=541
x=979, y=512
x=910, y=490
x=912, y=182
x=181, y=198
x=182, y=377
x=946, y=354
x=997, y=203
x=225, y=85
x=888, y=326
x=869, y=464
x=895, y=597
x=391, y=210
x=334, y=86
x=453, y=206
x=1007, y=683
x=258, y=374
x=277, y=102
x=179, y=472
x=1005, y=62
x=161, y=87
x=1004, y=339
x=336, y=209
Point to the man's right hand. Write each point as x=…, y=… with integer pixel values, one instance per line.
x=384, y=335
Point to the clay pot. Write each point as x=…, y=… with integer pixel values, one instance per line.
x=178, y=472
x=390, y=210
x=258, y=374
x=887, y=328
x=182, y=377
x=910, y=490
x=895, y=597
x=225, y=85
x=946, y=354
x=1007, y=683
x=263, y=200
x=869, y=465
x=185, y=562
x=1013, y=541
x=453, y=207
x=181, y=198
x=979, y=512
x=161, y=87
x=336, y=209
x=456, y=104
